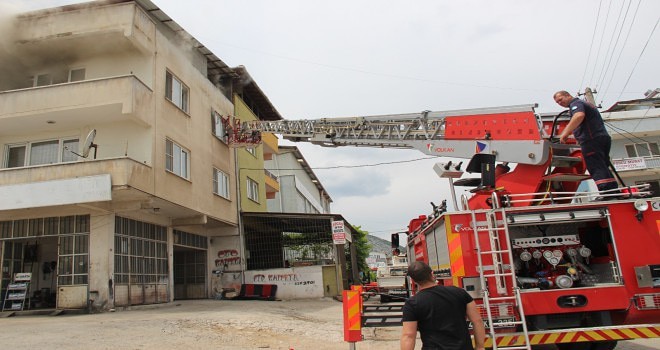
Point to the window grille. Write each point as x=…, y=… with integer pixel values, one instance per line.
x=191, y=240
x=140, y=252
x=51, y=226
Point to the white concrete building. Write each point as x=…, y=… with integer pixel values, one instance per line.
x=137, y=218
x=300, y=189
x=635, y=129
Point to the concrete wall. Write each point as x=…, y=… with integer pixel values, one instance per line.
x=292, y=283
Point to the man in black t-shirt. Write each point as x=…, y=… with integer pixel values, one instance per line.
x=588, y=127
x=439, y=313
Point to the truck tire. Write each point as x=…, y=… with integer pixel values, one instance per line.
x=603, y=345
x=574, y=346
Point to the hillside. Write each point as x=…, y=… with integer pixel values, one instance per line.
x=379, y=245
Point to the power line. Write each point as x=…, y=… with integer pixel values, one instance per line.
x=593, y=36
x=593, y=71
x=353, y=166
x=638, y=58
x=608, y=59
x=625, y=41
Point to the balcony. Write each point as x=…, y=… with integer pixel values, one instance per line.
x=80, y=28
x=272, y=184
x=70, y=105
x=270, y=143
x=118, y=184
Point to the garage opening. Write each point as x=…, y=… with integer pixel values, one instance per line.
x=190, y=260
x=141, y=271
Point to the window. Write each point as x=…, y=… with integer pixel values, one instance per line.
x=77, y=74
x=220, y=183
x=41, y=152
x=176, y=91
x=252, y=190
x=176, y=159
x=218, y=126
x=43, y=80
x=644, y=149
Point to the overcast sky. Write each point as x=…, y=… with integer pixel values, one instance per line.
x=321, y=59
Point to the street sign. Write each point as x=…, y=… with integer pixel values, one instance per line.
x=338, y=232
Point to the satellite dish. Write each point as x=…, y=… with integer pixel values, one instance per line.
x=89, y=143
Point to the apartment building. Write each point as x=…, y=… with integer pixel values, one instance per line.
x=635, y=129
x=300, y=189
x=117, y=184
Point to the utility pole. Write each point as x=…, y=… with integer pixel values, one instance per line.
x=589, y=96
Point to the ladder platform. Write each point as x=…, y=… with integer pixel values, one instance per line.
x=566, y=177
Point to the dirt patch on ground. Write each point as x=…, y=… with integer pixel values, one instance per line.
x=208, y=324
x=199, y=324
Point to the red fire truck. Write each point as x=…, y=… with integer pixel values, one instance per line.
x=546, y=264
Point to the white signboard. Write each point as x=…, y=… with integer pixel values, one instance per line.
x=339, y=233
x=86, y=189
x=629, y=164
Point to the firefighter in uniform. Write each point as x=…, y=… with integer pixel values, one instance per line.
x=588, y=127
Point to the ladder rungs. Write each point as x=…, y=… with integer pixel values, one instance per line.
x=495, y=251
x=499, y=274
x=489, y=229
x=513, y=347
x=502, y=298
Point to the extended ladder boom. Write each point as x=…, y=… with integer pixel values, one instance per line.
x=512, y=133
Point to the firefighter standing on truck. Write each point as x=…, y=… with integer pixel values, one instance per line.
x=588, y=127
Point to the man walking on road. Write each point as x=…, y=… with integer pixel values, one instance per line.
x=588, y=127
x=439, y=313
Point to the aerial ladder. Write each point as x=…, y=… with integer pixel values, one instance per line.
x=510, y=134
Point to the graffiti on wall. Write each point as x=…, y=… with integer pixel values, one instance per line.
x=227, y=258
x=282, y=278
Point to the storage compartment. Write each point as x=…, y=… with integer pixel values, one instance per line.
x=562, y=250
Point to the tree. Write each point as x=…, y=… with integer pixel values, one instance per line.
x=362, y=247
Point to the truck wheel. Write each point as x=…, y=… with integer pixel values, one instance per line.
x=604, y=345
x=575, y=346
